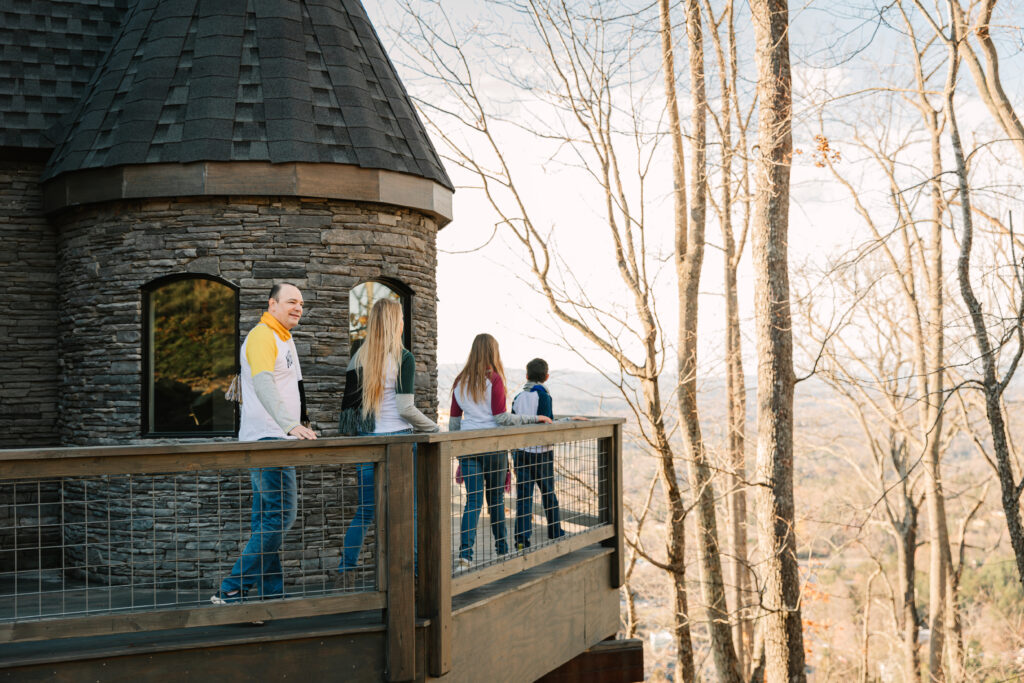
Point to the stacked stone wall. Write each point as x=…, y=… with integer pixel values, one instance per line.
x=28, y=311
x=29, y=511
x=108, y=252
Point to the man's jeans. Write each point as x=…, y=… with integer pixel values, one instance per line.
x=274, y=498
x=356, y=532
x=539, y=469
x=486, y=470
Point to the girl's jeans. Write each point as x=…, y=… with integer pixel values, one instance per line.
x=365, y=510
x=484, y=474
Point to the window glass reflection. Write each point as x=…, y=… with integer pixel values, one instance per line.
x=193, y=327
x=360, y=299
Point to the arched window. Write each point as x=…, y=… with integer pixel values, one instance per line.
x=363, y=296
x=190, y=355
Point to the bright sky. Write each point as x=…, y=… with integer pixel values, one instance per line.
x=484, y=285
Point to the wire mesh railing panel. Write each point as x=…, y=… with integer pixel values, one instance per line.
x=510, y=503
x=126, y=543
x=106, y=544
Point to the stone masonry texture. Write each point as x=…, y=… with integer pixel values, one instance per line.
x=28, y=311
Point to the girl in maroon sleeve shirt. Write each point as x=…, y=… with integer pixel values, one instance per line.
x=478, y=402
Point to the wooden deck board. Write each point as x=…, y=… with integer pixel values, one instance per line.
x=121, y=644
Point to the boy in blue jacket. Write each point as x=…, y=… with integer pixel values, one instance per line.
x=534, y=464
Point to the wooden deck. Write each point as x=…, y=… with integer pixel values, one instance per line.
x=512, y=620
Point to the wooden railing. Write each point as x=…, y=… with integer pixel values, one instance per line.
x=403, y=597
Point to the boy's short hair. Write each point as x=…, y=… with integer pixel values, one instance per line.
x=537, y=370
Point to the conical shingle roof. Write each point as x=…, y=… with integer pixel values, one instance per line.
x=247, y=80
x=48, y=51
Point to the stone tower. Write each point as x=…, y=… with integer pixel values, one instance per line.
x=252, y=141
x=238, y=142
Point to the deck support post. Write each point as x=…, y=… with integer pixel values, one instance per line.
x=398, y=559
x=434, y=601
x=610, y=499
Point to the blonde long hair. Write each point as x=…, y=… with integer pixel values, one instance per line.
x=483, y=358
x=383, y=342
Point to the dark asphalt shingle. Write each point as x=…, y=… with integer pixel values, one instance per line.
x=156, y=81
x=61, y=41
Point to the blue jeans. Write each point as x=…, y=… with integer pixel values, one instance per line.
x=483, y=474
x=274, y=507
x=366, y=509
x=535, y=469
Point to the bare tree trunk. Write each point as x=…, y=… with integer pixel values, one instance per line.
x=737, y=501
x=676, y=552
x=954, y=629
x=784, y=648
x=757, y=663
x=635, y=549
x=930, y=370
x=736, y=390
x=993, y=387
x=957, y=661
x=684, y=650
x=906, y=547
x=865, y=634
x=689, y=260
x=630, y=626
x=929, y=363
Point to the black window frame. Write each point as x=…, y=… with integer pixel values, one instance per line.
x=405, y=294
x=146, y=389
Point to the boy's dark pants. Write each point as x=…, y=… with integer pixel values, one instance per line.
x=539, y=469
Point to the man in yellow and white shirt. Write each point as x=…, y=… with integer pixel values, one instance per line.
x=271, y=409
x=271, y=400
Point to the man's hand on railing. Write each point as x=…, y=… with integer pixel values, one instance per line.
x=301, y=432
x=543, y=419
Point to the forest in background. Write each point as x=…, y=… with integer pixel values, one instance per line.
x=842, y=500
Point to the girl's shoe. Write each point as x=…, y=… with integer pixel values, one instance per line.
x=229, y=598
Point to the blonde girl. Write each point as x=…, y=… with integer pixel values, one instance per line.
x=378, y=401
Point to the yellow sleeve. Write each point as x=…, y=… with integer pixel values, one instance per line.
x=261, y=350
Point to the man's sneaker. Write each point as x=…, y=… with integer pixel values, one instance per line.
x=229, y=598
x=462, y=564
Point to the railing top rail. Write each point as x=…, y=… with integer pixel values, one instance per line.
x=554, y=427
x=241, y=450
